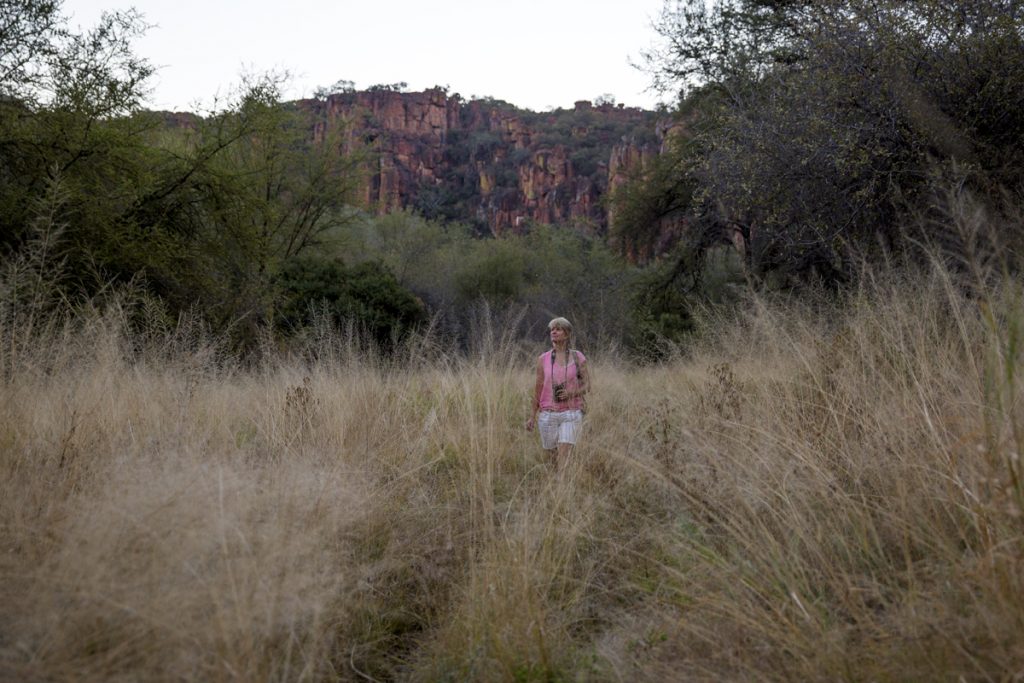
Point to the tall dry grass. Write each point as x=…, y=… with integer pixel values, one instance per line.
x=804, y=496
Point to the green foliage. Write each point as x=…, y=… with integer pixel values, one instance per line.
x=545, y=272
x=494, y=272
x=267, y=193
x=340, y=86
x=587, y=134
x=587, y=160
x=725, y=42
x=367, y=295
x=400, y=86
x=201, y=210
x=669, y=294
x=585, y=127
x=64, y=99
x=653, y=197
x=825, y=128
x=30, y=282
x=30, y=31
x=45, y=64
x=422, y=254
x=482, y=143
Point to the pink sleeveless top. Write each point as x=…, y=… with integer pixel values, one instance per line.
x=559, y=374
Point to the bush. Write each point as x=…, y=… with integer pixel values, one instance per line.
x=367, y=294
x=823, y=128
x=495, y=272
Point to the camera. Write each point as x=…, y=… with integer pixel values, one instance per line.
x=559, y=391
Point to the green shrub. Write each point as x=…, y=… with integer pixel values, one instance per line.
x=367, y=294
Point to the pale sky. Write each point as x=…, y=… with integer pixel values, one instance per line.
x=535, y=54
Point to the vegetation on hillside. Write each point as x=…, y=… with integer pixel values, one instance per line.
x=201, y=214
x=236, y=214
x=818, y=136
x=588, y=134
x=809, y=139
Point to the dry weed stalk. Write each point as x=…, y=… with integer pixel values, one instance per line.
x=835, y=499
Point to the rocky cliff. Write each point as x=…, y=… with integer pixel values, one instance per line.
x=486, y=162
x=631, y=162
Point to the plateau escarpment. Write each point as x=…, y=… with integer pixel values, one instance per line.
x=486, y=162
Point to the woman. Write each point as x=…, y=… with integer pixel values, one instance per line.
x=562, y=381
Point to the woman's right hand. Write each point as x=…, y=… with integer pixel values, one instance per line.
x=530, y=423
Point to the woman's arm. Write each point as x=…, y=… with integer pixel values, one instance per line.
x=538, y=387
x=583, y=385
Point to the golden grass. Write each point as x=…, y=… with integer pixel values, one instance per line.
x=803, y=497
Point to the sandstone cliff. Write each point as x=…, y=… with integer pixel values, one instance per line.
x=632, y=162
x=487, y=162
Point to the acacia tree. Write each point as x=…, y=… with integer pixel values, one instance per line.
x=724, y=42
x=203, y=208
x=30, y=31
x=830, y=121
x=268, y=196
x=65, y=99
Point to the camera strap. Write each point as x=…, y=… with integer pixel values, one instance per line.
x=565, y=372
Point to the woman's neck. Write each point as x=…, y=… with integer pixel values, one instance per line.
x=560, y=347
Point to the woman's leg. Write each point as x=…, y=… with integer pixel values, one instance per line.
x=568, y=432
x=547, y=425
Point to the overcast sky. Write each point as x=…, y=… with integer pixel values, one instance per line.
x=536, y=54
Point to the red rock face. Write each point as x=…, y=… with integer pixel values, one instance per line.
x=406, y=133
x=630, y=162
x=485, y=161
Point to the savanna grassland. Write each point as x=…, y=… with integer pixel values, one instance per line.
x=807, y=493
x=804, y=317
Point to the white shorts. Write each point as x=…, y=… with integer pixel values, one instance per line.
x=556, y=428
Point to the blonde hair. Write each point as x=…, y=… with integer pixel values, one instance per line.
x=561, y=323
